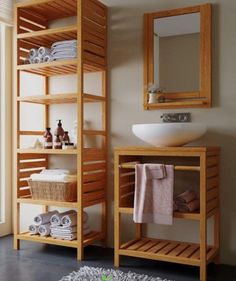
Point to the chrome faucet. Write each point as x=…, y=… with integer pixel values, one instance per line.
x=176, y=117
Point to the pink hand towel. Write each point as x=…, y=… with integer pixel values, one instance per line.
x=153, y=200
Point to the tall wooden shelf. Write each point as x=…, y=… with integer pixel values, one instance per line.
x=201, y=160
x=32, y=30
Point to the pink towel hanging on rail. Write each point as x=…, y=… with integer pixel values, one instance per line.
x=153, y=201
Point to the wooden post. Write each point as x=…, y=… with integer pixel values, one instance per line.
x=117, y=219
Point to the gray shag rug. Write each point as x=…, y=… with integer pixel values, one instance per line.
x=87, y=273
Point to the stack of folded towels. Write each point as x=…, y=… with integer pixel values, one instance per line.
x=186, y=202
x=59, y=50
x=54, y=175
x=64, y=225
x=58, y=225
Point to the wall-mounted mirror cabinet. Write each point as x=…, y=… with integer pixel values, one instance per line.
x=177, y=58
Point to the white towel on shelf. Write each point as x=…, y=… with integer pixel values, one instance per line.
x=48, y=58
x=55, y=172
x=56, y=219
x=53, y=178
x=44, y=218
x=33, y=229
x=27, y=61
x=57, y=44
x=37, y=60
x=64, y=56
x=43, y=51
x=44, y=230
x=33, y=53
x=63, y=230
x=68, y=237
x=69, y=220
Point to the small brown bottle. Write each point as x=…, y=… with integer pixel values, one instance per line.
x=47, y=139
x=59, y=130
x=58, y=143
x=66, y=138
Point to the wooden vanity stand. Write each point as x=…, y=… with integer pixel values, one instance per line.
x=202, y=160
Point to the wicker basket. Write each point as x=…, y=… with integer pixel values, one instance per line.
x=55, y=191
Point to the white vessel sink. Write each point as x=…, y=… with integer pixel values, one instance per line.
x=169, y=134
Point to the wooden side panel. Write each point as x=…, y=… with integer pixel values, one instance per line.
x=95, y=30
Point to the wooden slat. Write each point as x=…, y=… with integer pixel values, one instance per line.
x=89, y=57
x=92, y=196
x=213, y=193
x=178, y=250
x=127, y=189
x=189, y=251
x=212, y=204
x=167, y=249
x=129, y=243
x=138, y=244
x=97, y=185
x=127, y=179
x=30, y=165
x=212, y=172
x=93, y=177
x=212, y=182
x=212, y=161
x=24, y=175
x=94, y=167
x=92, y=154
x=160, y=245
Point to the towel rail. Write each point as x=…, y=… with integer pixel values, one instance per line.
x=131, y=165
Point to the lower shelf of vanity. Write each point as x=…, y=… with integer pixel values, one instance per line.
x=166, y=250
x=92, y=237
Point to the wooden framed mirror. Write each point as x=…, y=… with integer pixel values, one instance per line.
x=177, y=58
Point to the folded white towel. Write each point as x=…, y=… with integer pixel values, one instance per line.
x=63, y=230
x=43, y=51
x=33, y=229
x=56, y=219
x=55, y=172
x=69, y=220
x=37, y=60
x=33, y=53
x=68, y=237
x=44, y=230
x=44, y=218
x=64, y=43
x=53, y=178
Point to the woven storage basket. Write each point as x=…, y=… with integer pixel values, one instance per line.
x=55, y=191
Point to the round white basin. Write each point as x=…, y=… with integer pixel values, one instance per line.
x=169, y=134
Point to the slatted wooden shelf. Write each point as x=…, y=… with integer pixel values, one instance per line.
x=29, y=200
x=47, y=151
x=188, y=216
x=165, y=250
x=178, y=104
x=60, y=99
x=88, y=239
x=48, y=36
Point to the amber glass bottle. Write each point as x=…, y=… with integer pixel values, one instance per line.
x=48, y=139
x=57, y=143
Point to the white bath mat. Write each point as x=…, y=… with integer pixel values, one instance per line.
x=87, y=273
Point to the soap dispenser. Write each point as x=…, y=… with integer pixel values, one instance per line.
x=59, y=130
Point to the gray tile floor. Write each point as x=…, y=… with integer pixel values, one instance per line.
x=37, y=262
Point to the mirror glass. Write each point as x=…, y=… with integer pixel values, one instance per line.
x=177, y=53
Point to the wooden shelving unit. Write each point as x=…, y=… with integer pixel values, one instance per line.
x=32, y=30
x=201, y=160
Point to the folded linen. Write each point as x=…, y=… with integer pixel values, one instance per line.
x=188, y=207
x=44, y=230
x=68, y=237
x=33, y=53
x=37, y=60
x=153, y=200
x=44, y=218
x=33, y=229
x=43, y=51
x=56, y=219
x=55, y=172
x=53, y=178
x=64, y=43
x=64, y=56
x=186, y=197
x=64, y=230
x=69, y=220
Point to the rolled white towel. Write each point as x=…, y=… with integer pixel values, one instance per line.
x=37, y=60
x=43, y=51
x=47, y=58
x=33, y=229
x=56, y=219
x=33, y=53
x=69, y=220
x=44, y=218
x=44, y=230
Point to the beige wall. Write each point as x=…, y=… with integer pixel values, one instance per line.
x=126, y=89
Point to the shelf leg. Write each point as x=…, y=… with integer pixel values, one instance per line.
x=80, y=253
x=117, y=239
x=217, y=236
x=16, y=242
x=104, y=224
